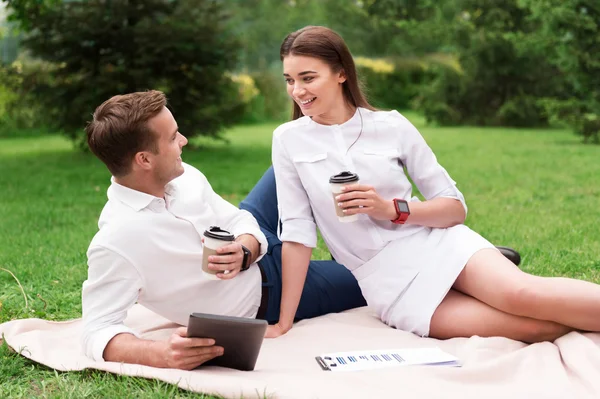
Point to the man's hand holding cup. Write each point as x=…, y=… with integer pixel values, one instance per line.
x=228, y=261
x=222, y=257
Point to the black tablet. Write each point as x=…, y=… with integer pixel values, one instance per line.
x=240, y=337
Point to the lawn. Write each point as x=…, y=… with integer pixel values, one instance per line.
x=535, y=190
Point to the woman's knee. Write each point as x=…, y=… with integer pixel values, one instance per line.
x=532, y=331
x=524, y=297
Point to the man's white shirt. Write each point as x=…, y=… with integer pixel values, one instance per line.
x=149, y=250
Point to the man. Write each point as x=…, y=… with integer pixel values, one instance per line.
x=149, y=248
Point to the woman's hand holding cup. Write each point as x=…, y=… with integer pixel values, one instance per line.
x=360, y=198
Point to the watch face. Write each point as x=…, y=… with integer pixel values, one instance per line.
x=402, y=206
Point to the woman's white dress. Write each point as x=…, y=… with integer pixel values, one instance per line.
x=404, y=271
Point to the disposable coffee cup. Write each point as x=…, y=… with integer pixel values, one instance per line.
x=336, y=183
x=214, y=238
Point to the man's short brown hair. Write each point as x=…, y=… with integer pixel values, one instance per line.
x=120, y=129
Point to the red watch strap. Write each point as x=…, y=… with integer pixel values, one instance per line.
x=401, y=219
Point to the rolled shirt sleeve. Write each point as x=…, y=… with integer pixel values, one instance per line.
x=236, y=221
x=295, y=214
x=111, y=289
x=422, y=166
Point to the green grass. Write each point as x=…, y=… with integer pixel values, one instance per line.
x=535, y=190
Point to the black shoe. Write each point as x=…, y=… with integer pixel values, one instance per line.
x=510, y=254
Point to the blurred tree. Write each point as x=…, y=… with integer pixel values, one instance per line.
x=101, y=48
x=409, y=27
x=505, y=72
x=263, y=24
x=570, y=35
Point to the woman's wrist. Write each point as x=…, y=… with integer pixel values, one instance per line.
x=285, y=323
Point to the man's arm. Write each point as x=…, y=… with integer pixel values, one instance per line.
x=239, y=222
x=109, y=292
x=177, y=352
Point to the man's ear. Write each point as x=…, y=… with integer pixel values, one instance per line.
x=141, y=160
x=342, y=76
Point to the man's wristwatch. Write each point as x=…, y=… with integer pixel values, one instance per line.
x=246, y=260
x=402, y=211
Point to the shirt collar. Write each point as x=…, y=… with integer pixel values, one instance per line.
x=171, y=189
x=136, y=200
x=358, y=113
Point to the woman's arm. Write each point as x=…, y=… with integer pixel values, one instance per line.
x=445, y=205
x=437, y=212
x=295, y=259
x=298, y=234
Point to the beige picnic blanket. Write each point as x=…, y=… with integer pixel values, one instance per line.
x=286, y=368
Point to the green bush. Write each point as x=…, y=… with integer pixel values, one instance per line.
x=452, y=99
x=20, y=114
x=8, y=95
x=389, y=90
x=263, y=96
x=273, y=102
x=583, y=116
x=388, y=86
x=522, y=111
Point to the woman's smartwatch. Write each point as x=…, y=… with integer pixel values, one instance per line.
x=246, y=260
x=402, y=211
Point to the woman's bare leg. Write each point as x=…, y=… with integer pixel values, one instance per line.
x=460, y=315
x=494, y=280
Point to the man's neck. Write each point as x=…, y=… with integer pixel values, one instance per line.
x=142, y=183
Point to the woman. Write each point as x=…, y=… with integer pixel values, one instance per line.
x=329, y=286
x=417, y=265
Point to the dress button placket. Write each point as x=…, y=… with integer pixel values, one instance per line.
x=342, y=150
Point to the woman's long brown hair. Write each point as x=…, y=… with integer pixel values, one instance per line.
x=326, y=45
